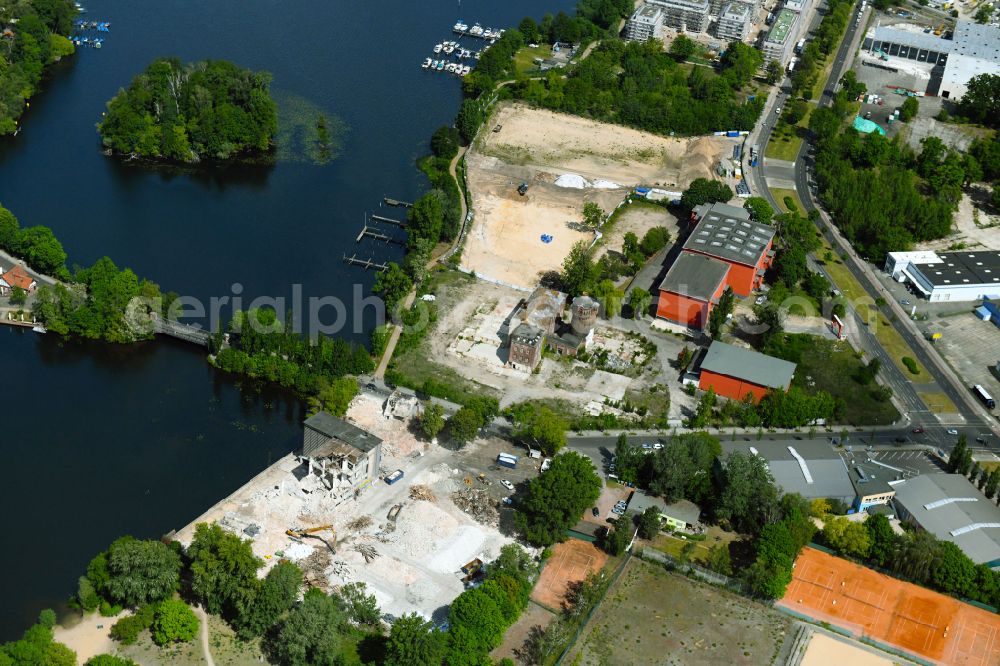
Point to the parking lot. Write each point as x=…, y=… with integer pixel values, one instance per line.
x=481, y=458
x=904, y=462
x=971, y=347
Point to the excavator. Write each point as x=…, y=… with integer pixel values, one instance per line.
x=311, y=534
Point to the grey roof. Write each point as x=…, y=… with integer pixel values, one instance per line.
x=920, y=40
x=340, y=429
x=960, y=68
x=695, y=275
x=526, y=334
x=684, y=510
x=952, y=509
x=958, y=269
x=977, y=41
x=543, y=308
x=727, y=232
x=824, y=474
x=748, y=365
x=736, y=11
x=869, y=479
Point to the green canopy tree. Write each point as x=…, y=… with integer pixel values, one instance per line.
x=882, y=539
x=275, y=596
x=760, y=210
x=639, y=300
x=431, y=419
x=174, y=622
x=749, y=498
x=414, y=641
x=703, y=190
x=141, y=571
x=310, y=633
x=464, y=425
x=555, y=500
x=223, y=570
x=392, y=285
x=545, y=429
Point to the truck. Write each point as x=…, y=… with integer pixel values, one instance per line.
x=507, y=460
x=791, y=64
x=394, y=477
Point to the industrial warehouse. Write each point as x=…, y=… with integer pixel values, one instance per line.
x=947, y=276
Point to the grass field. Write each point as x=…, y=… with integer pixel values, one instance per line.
x=673, y=545
x=831, y=366
x=780, y=195
x=651, y=616
x=786, y=140
x=524, y=59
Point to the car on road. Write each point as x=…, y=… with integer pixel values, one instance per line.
x=982, y=439
x=657, y=446
x=371, y=386
x=508, y=501
x=917, y=431
x=647, y=446
x=952, y=431
x=777, y=110
x=760, y=300
x=900, y=440
x=506, y=484
x=595, y=511
x=903, y=301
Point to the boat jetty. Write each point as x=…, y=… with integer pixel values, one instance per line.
x=454, y=53
x=478, y=31
x=80, y=27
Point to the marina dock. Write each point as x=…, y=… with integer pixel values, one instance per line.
x=377, y=234
x=388, y=220
x=396, y=203
x=365, y=263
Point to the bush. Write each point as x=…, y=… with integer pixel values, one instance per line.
x=109, y=610
x=126, y=630
x=911, y=365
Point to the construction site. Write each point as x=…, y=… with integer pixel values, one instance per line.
x=531, y=171
x=415, y=534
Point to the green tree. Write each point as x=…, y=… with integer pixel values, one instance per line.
x=748, y=499
x=991, y=483
x=683, y=47
x=223, y=570
x=760, y=209
x=392, y=285
x=909, y=110
x=414, y=641
x=18, y=296
x=684, y=358
x=361, y=607
x=720, y=313
x=882, y=539
x=719, y=560
x=275, y=596
x=983, y=14
x=649, y=523
x=86, y=594
x=610, y=297
x=579, y=273
x=37, y=647
x=470, y=117
x=425, y=220
x=703, y=190
x=444, y=142
x=476, y=616
x=109, y=660
x=310, y=633
x=555, y=500
x=769, y=324
x=654, y=240
x=431, y=419
x=848, y=537
x=955, y=573
x=336, y=396
x=464, y=425
x=740, y=63
x=141, y=571
x=916, y=556
x=958, y=455
x=981, y=101
x=174, y=622
x=775, y=72
x=639, y=300
x=593, y=215
x=544, y=429
x=617, y=539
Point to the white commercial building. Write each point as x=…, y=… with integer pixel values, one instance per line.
x=646, y=23
x=948, y=276
x=780, y=39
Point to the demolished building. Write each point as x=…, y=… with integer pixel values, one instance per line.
x=340, y=458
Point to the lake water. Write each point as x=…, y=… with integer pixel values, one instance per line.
x=101, y=441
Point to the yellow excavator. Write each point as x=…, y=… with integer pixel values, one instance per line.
x=311, y=533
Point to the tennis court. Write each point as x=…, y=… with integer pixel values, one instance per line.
x=916, y=620
x=570, y=563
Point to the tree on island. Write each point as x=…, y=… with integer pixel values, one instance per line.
x=188, y=112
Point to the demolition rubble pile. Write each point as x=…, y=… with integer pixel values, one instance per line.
x=478, y=504
x=421, y=492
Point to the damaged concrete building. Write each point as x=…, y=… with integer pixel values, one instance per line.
x=341, y=457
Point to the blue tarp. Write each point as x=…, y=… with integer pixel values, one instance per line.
x=983, y=312
x=642, y=190
x=866, y=126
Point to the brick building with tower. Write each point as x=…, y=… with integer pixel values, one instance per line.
x=539, y=321
x=725, y=249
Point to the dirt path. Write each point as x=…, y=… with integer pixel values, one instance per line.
x=203, y=618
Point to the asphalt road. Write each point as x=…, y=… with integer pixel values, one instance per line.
x=903, y=389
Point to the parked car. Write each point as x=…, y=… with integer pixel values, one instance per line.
x=903, y=301
x=506, y=484
x=508, y=501
x=657, y=446
x=952, y=431
x=917, y=431
x=760, y=300
x=647, y=446
x=595, y=511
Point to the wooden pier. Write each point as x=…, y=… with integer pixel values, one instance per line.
x=377, y=234
x=365, y=263
x=388, y=220
x=395, y=202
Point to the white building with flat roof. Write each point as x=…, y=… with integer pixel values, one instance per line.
x=948, y=276
x=684, y=15
x=734, y=21
x=645, y=23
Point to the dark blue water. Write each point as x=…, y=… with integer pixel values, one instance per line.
x=101, y=441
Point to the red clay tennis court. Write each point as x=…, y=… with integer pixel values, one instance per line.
x=924, y=623
x=571, y=561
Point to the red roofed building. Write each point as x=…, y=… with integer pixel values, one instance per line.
x=725, y=249
x=16, y=277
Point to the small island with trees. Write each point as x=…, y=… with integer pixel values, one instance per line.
x=187, y=113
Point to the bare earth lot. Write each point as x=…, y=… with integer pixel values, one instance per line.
x=602, y=161
x=651, y=616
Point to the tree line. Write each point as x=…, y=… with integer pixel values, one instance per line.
x=828, y=35
x=34, y=36
x=189, y=112
x=884, y=196
x=641, y=86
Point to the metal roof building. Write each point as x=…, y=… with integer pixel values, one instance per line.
x=695, y=275
x=748, y=365
x=948, y=276
x=811, y=468
x=727, y=232
x=951, y=508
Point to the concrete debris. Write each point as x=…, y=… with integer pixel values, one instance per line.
x=368, y=552
x=478, y=504
x=421, y=492
x=315, y=569
x=359, y=523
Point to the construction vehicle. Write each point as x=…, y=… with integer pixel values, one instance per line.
x=522, y=189
x=484, y=480
x=311, y=533
x=394, y=512
x=938, y=30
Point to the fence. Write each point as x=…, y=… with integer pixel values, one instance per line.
x=707, y=575
x=594, y=607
